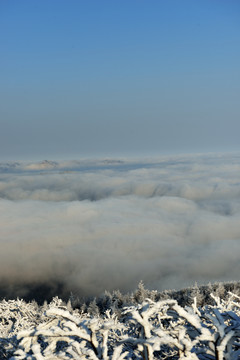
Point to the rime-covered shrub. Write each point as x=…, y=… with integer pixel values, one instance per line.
x=151, y=330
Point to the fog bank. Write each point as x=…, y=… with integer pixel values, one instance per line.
x=86, y=226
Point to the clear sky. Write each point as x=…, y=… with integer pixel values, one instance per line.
x=103, y=77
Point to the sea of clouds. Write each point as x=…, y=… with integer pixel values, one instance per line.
x=92, y=225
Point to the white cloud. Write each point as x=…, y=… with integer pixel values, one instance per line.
x=169, y=223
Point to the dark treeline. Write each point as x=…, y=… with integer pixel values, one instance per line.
x=116, y=300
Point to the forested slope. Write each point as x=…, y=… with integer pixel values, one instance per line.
x=195, y=323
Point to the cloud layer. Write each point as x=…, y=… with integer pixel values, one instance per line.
x=86, y=226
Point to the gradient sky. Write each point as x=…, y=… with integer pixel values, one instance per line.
x=103, y=77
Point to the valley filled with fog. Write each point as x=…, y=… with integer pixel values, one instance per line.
x=87, y=226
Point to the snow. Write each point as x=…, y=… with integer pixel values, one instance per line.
x=150, y=330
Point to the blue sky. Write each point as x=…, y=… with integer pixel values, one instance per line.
x=92, y=78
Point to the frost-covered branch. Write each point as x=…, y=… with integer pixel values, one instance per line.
x=150, y=330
